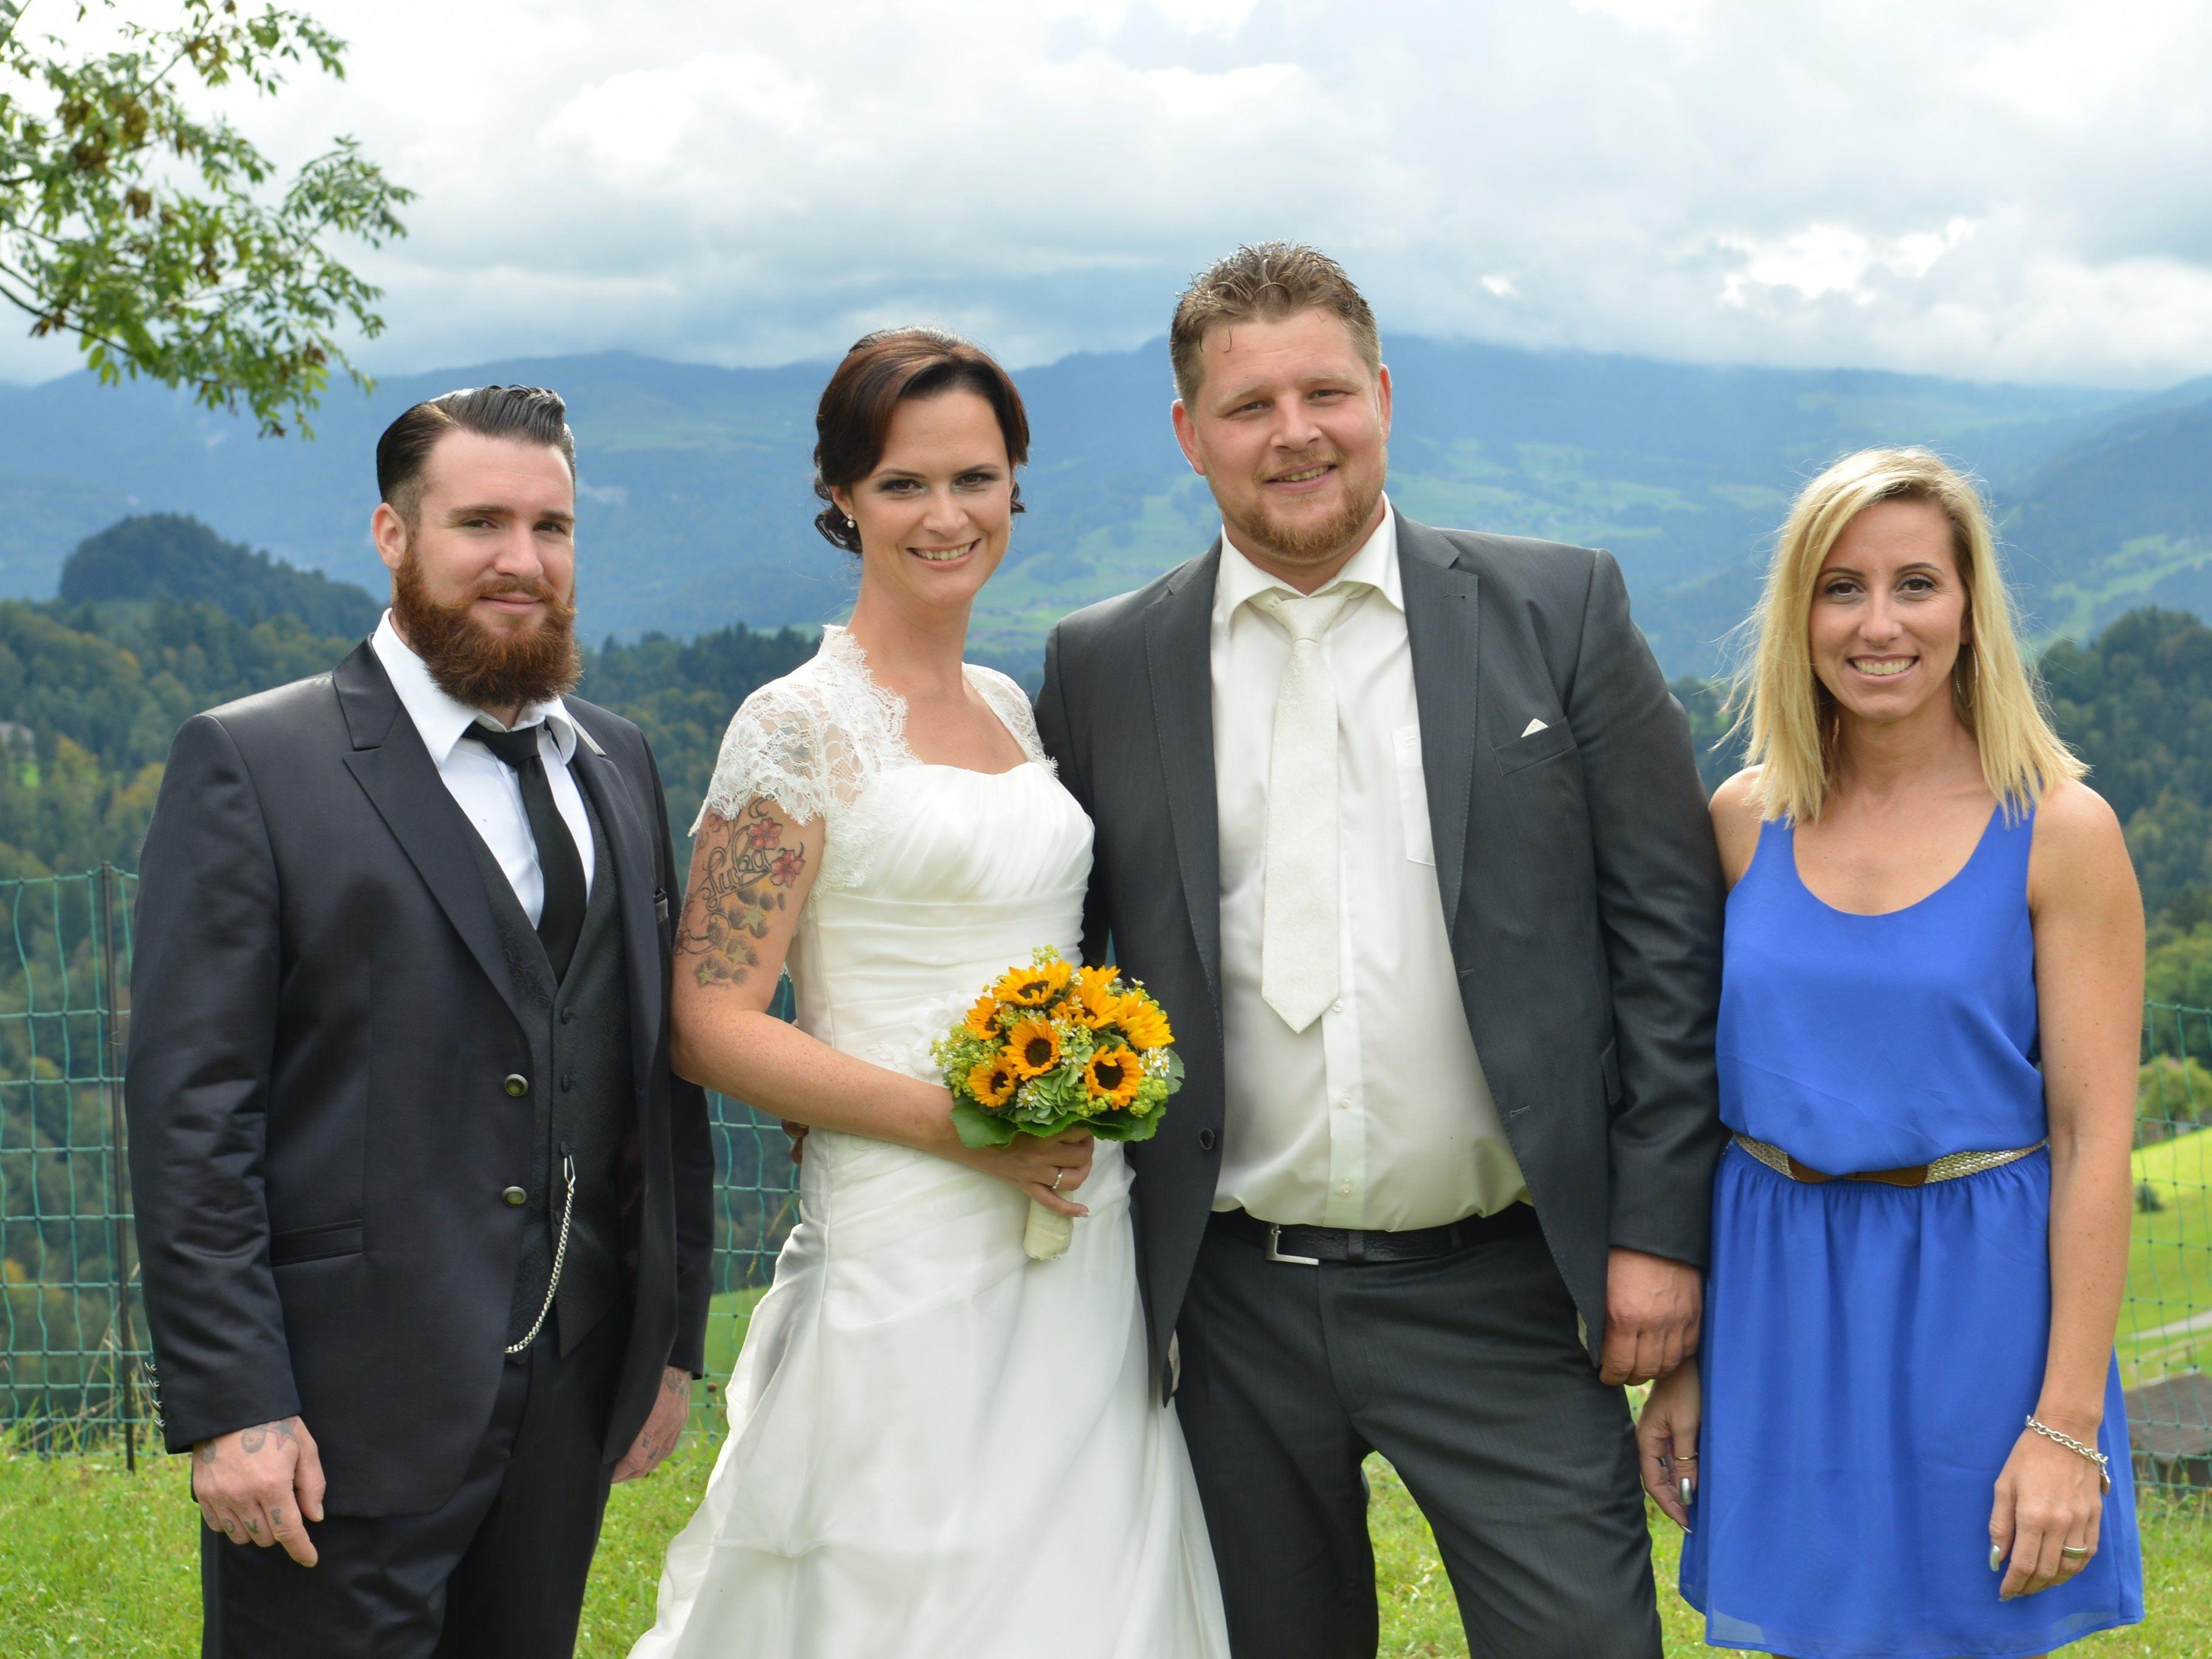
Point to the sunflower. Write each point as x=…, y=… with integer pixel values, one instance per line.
x=1033, y=987
x=1143, y=1021
x=1032, y=1047
x=1094, y=1001
x=1113, y=1076
x=982, y=1020
x=993, y=1081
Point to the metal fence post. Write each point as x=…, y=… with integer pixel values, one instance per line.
x=110, y=1070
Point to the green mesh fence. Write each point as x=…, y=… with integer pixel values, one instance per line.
x=2165, y=1326
x=72, y=1364
x=69, y=1362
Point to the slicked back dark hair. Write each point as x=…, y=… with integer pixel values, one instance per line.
x=527, y=414
x=882, y=371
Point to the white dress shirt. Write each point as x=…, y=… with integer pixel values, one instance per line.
x=485, y=785
x=1377, y=1114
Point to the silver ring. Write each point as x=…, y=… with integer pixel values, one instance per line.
x=1057, y=1175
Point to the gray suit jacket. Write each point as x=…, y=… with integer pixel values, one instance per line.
x=1575, y=866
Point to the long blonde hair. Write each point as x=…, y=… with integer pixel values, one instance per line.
x=1794, y=718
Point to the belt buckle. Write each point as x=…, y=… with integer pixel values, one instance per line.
x=1275, y=1249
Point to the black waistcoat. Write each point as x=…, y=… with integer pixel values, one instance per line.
x=581, y=1088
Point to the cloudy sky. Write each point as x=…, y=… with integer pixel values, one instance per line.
x=2000, y=189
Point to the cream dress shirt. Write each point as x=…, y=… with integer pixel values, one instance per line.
x=483, y=785
x=1377, y=1114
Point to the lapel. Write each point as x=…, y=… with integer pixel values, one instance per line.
x=1178, y=629
x=1442, y=614
x=629, y=846
x=401, y=781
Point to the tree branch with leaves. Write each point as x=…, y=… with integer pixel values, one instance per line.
x=163, y=239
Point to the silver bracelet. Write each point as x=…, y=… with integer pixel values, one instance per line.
x=2103, y=1462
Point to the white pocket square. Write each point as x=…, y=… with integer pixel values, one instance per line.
x=1533, y=728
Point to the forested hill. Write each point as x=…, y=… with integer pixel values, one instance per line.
x=92, y=691
x=147, y=555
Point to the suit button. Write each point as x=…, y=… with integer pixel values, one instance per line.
x=516, y=1084
x=515, y=1197
x=567, y=1014
x=566, y=1084
x=1206, y=1141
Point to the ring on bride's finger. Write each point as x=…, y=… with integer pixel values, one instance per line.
x=1057, y=1176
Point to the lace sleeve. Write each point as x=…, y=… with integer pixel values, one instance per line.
x=1012, y=705
x=775, y=747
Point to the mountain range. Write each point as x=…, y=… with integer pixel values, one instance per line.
x=695, y=481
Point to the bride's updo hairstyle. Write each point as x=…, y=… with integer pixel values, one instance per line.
x=882, y=371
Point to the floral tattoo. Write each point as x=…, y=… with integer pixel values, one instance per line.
x=742, y=883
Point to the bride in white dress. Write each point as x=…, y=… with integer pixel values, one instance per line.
x=938, y=1448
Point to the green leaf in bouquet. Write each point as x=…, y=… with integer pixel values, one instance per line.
x=1127, y=1126
x=979, y=1128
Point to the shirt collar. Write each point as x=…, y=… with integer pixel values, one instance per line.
x=1375, y=563
x=440, y=718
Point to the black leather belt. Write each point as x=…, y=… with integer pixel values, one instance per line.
x=1309, y=1246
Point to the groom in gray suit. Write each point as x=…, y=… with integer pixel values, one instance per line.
x=1403, y=829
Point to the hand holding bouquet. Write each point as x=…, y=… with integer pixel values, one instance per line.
x=1049, y=1048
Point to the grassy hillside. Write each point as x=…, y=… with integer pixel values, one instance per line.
x=2167, y=1325
x=102, y=1564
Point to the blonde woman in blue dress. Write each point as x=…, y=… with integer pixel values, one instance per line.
x=937, y=1446
x=1908, y=1441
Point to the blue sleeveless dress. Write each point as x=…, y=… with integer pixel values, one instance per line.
x=1870, y=1351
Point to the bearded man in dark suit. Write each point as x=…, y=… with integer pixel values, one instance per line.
x=424, y=1216
x=1403, y=829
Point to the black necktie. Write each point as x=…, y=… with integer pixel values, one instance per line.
x=563, y=917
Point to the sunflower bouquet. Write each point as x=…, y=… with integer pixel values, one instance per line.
x=1051, y=1046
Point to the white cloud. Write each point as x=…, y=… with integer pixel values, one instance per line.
x=1996, y=188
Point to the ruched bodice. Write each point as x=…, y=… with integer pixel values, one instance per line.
x=974, y=872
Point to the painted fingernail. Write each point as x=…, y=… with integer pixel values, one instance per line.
x=1997, y=1557
x=1689, y=1490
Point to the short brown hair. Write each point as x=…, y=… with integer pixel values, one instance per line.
x=527, y=414
x=1267, y=281
x=882, y=371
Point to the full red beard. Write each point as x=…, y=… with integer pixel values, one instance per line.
x=473, y=665
x=1260, y=532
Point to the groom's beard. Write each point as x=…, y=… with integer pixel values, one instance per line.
x=1258, y=531
x=473, y=665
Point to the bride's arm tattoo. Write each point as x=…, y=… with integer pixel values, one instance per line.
x=741, y=884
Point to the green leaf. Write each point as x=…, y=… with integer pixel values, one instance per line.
x=978, y=1128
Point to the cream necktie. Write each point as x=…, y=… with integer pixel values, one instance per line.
x=1299, y=913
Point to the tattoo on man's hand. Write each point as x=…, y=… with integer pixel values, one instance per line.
x=673, y=1380
x=277, y=1433
x=739, y=888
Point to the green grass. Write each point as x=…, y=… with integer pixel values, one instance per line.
x=99, y=1564
x=2170, y=1262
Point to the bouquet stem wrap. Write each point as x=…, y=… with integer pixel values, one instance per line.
x=1050, y=1048
x=1048, y=1234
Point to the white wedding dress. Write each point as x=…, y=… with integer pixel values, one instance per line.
x=938, y=1448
